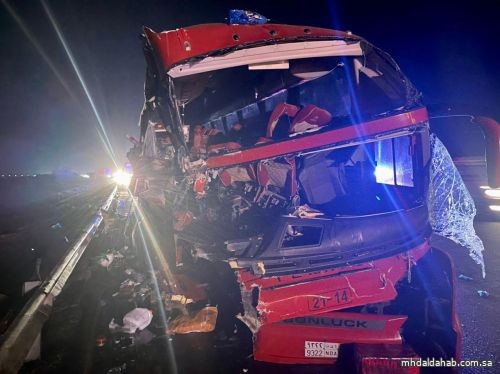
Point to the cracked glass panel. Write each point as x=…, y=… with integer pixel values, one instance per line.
x=451, y=207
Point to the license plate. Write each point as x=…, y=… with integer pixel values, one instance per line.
x=329, y=299
x=321, y=349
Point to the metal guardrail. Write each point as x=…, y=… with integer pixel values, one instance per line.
x=24, y=330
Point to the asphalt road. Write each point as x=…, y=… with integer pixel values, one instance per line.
x=31, y=227
x=478, y=315
x=40, y=229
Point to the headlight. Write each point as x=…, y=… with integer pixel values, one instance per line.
x=494, y=194
x=122, y=178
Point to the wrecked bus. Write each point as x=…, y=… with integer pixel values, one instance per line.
x=300, y=157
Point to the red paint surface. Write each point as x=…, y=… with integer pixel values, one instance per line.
x=310, y=142
x=175, y=46
x=291, y=296
x=284, y=343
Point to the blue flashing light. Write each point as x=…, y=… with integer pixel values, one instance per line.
x=246, y=17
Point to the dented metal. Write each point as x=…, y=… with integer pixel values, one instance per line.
x=309, y=177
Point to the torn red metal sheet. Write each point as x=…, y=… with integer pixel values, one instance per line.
x=302, y=340
x=176, y=46
x=327, y=138
x=291, y=296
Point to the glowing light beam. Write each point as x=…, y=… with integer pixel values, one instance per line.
x=103, y=133
x=38, y=48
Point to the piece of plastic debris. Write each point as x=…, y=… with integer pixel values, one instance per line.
x=451, y=207
x=203, y=321
x=113, y=325
x=66, y=239
x=483, y=293
x=136, y=276
x=118, y=369
x=56, y=226
x=464, y=277
x=106, y=260
x=32, y=249
x=128, y=283
x=138, y=318
x=181, y=299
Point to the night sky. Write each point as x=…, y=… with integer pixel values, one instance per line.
x=449, y=49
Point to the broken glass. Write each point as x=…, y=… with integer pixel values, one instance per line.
x=451, y=207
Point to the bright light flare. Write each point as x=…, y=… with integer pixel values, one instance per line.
x=494, y=194
x=101, y=130
x=384, y=174
x=122, y=178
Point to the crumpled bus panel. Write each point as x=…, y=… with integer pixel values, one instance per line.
x=316, y=339
x=285, y=297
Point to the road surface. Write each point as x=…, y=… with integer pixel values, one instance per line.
x=83, y=311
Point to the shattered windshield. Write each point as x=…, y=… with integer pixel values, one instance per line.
x=344, y=89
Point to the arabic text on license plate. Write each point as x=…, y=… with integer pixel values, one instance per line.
x=321, y=349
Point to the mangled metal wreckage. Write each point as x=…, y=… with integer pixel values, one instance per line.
x=300, y=157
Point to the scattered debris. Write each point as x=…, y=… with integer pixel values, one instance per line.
x=203, y=321
x=465, y=278
x=123, y=340
x=144, y=337
x=56, y=226
x=136, y=276
x=118, y=369
x=138, y=318
x=483, y=293
x=106, y=260
x=101, y=341
x=181, y=299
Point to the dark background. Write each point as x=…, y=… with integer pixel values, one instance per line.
x=447, y=48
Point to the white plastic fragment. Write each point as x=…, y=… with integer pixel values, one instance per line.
x=106, y=260
x=451, y=207
x=138, y=318
x=483, y=293
x=149, y=147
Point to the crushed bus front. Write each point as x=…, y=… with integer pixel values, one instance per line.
x=299, y=156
